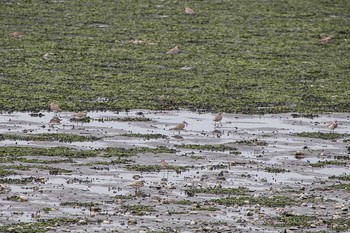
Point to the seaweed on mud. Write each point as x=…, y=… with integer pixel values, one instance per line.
x=275, y=170
x=328, y=162
x=42, y=225
x=302, y=221
x=230, y=191
x=155, y=168
x=320, y=135
x=12, y=151
x=220, y=147
x=145, y=136
x=275, y=201
x=138, y=209
x=342, y=177
x=61, y=137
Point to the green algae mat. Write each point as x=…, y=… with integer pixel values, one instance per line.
x=244, y=56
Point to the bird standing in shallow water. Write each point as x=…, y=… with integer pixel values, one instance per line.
x=180, y=126
x=54, y=121
x=79, y=115
x=55, y=107
x=218, y=119
x=333, y=125
x=174, y=50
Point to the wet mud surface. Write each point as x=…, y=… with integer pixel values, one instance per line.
x=251, y=174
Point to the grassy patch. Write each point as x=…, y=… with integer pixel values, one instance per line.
x=138, y=209
x=72, y=153
x=154, y=168
x=276, y=201
x=145, y=136
x=5, y=172
x=340, y=224
x=302, y=221
x=330, y=162
x=41, y=225
x=343, y=177
x=24, y=180
x=79, y=204
x=220, y=147
x=268, y=57
x=61, y=137
x=325, y=136
x=275, y=170
x=253, y=142
x=230, y=191
x=344, y=187
x=124, y=119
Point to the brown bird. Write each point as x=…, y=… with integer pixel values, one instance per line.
x=180, y=126
x=79, y=115
x=325, y=40
x=218, y=118
x=189, y=11
x=54, y=121
x=333, y=125
x=137, y=184
x=164, y=164
x=175, y=50
x=55, y=107
x=17, y=35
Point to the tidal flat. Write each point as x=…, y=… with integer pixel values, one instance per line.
x=278, y=70
x=260, y=173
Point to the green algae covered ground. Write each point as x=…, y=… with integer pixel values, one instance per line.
x=245, y=56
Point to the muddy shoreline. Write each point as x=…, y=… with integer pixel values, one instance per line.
x=260, y=156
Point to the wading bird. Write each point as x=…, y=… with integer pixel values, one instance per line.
x=218, y=119
x=333, y=125
x=180, y=126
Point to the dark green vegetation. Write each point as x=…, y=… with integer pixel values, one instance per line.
x=61, y=137
x=138, y=209
x=154, y=168
x=326, y=136
x=11, y=152
x=244, y=56
x=232, y=191
x=220, y=147
x=276, y=170
x=344, y=177
x=274, y=201
x=325, y=163
x=41, y=226
x=304, y=221
x=295, y=220
x=126, y=119
x=145, y=136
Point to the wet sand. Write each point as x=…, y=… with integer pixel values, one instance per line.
x=102, y=184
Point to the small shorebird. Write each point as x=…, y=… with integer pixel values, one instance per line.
x=164, y=164
x=333, y=125
x=55, y=107
x=189, y=11
x=218, y=119
x=17, y=35
x=175, y=50
x=54, y=121
x=325, y=40
x=79, y=115
x=180, y=126
x=137, y=184
x=46, y=56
